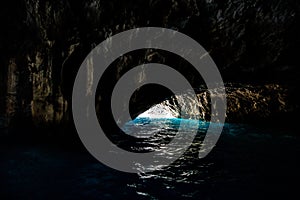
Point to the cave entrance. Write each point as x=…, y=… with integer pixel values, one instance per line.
x=158, y=111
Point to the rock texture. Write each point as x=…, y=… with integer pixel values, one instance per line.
x=43, y=43
x=245, y=103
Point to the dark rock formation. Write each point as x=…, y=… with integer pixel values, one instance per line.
x=245, y=103
x=43, y=43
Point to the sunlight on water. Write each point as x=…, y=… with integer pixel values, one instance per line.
x=145, y=127
x=158, y=128
x=159, y=119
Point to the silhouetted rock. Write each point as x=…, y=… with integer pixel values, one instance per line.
x=44, y=42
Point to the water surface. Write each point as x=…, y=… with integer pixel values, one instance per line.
x=247, y=162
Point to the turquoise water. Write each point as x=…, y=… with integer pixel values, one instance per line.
x=248, y=162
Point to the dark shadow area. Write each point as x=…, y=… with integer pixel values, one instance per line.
x=255, y=45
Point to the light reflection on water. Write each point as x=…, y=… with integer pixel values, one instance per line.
x=144, y=127
x=245, y=161
x=193, y=172
x=156, y=130
x=157, y=134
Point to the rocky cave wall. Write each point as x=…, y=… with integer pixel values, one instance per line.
x=44, y=42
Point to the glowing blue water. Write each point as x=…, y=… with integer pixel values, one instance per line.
x=246, y=162
x=146, y=126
